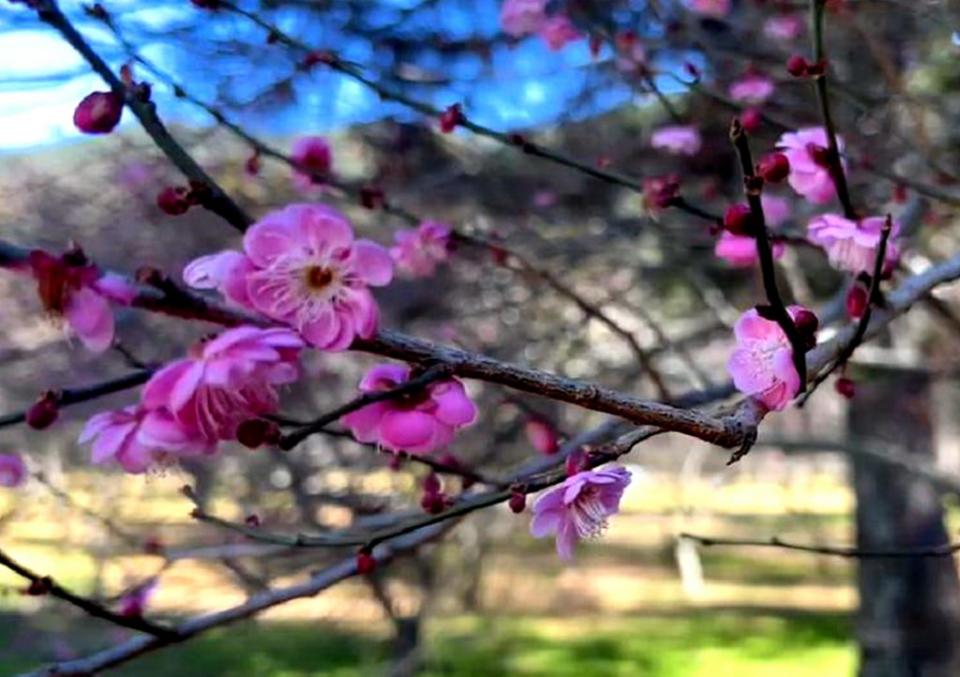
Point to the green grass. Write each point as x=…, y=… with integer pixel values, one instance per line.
x=691, y=644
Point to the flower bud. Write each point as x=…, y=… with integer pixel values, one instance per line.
x=174, y=200
x=857, y=301
x=98, y=112
x=431, y=484
x=774, y=167
x=365, y=562
x=797, y=66
x=252, y=165
x=39, y=587
x=450, y=118
x=252, y=520
x=846, y=387
x=43, y=412
x=518, y=502
x=372, y=197
x=256, y=432
x=751, y=119
x=433, y=504
x=807, y=324
x=737, y=219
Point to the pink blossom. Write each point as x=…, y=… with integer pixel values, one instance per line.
x=418, y=423
x=72, y=288
x=776, y=210
x=558, y=31
x=713, y=8
x=304, y=268
x=783, y=27
x=762, y=363
x=226, y=380
x=522, y=17
x=542, y=435
x=139, y=439
x=740, y=251
x=809, y=176
x=312, y=154
x=852, y=245
x=13, y=472
x=681, y=140
x=753, y=89
x=579, y=507
x=134, y=603
x=418, y=251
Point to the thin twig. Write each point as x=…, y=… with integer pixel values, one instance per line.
x=849, y=552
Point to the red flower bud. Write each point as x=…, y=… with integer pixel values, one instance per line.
x=751, y=119
x=255, y=432
x=899, y=193
x=857, y=301
x=661, y=192
x=372, y=197
x=737, y=219
x=431, y=484
x=252, y=165
x=39, y=587
x=365, y=562
x=450, y=118
x=174, y=200
x=518, y=502
x=153, y=545
x=807, y=324
x=774, y=167
x=819, y=154
x=797, y=66
x=43, y=412
x=433, y=504
x=252, y=521
x=846, y=387
x=98, y=113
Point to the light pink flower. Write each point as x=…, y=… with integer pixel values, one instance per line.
x=13, y=472
x=762, y=363
x=72, y=288
x=139, y=439
x=850, y=245
x=579, y=507
x=740, y=251
x=542, y=435
x=806, y=149
x=134, y=603
x=783, y=27
x=776, y=210
x=558, y=31
x=418, y=423
x=752, y=89
x=313, y=155
x=304, y=268
x=226, y=380
x=522, y=17
x=681, y=140
x=712, y=8
x=418, y=251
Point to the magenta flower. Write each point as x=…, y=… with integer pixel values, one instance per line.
x=752, y=89
x=558, y=31
x=542, y=435
x=522, y=17
x=419, y=251
x=579, y=507
x=852, y=245
x=712, y=8
x=303, y=268
x=418, y=423
x=680, y=140
x=740, y=251
x=314, y=159
x=783, y=27
x=776, y=210
x=762, y=363
x=807, y=151
x=13, y=472
x=134, y=603
x=226, y=380
x=73, y=289
x=139, y=439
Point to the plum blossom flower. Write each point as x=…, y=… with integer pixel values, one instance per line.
x=140, y=439
x=776, y=210
x=712, y=8
x=13, y=472
x=522, y=17
x=740, y=251
x=852, y=245
x=314, y=159
x=680, y=140
x=542, y=435
x=753, y=89
x=419, y=251
x=579, y=507
x=72, y=288
x=806, y=149
x=303, y=267
x=783, y=27
x=419, y=423
x=558, y=31
x=762, y=363
x=226, y=380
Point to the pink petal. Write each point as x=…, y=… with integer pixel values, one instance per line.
x=116, y=288
x=454, y=407
x=322, y=229
x=111, y=441
x=271, y=237
x=566, y=539
x=402, y=429
x=372, y=263
x=91, y=319
x=365, y=423
x=545, y=523
x=186, y=386
x=157, y=391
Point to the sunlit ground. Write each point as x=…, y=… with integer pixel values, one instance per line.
x=619, y=610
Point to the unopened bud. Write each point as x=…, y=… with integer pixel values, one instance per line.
x=518, y=502
x=737, y=219
x=98, y=113
x=43, y=412
x=774, y=167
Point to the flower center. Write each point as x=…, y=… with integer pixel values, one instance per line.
x=318, y=278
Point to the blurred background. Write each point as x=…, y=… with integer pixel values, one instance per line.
x=880, y=471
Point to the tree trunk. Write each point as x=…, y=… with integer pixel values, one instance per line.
x=909, y=619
